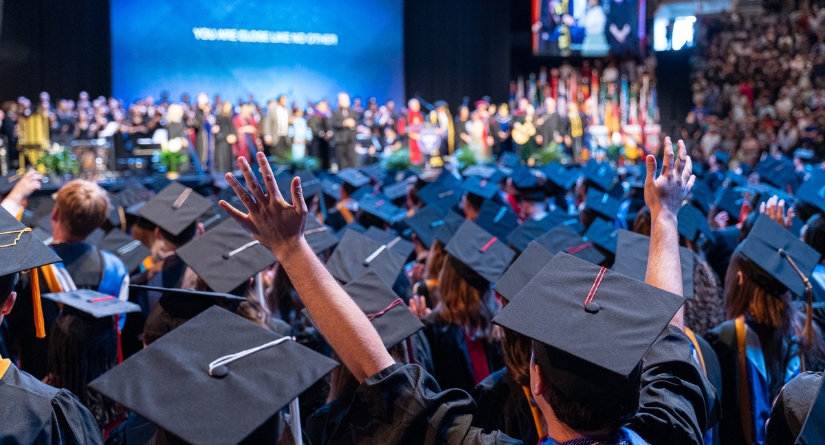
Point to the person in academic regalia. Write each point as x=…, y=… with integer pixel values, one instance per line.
x=177, y=130
x=767, y=339
x=415, y=121
x=575, y=129
x=346, y=209
x=225, y=138
x=320, y=122
x=343, y=126
x=246, y=130
x=80, y=208
x=465, y=348
x=203, y=132
x=504, y=124
x=622, y=27
x=524, y=134
x=276, y=127
x=33, y=412
x=444, y=123
x=460, y=124
x=798, y=413
x=551, y=125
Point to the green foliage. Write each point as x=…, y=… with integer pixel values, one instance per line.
x=398, y=160
x=61, y=162
x=172, y=160
x=550, y=154
x=306, y=163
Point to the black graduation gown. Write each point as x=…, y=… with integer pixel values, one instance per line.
x=321, y=424
x=552, y=126
x=451, y=359
x=503, y=406
x=35, y=413
x=223, y=160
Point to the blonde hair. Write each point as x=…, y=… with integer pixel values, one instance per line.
x=83, y=206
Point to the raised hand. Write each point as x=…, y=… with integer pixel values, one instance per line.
x=28, y=184
x=418, y=306
x=775, y=209
x=666, y=192
x=277, y=225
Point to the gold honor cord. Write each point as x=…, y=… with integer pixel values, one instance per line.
x=19, y=234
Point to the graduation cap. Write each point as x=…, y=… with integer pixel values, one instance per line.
x=94, y=303
x=602, y=203
x=331, y=188
x=445, y=232
x=226, y=257
x=564, y=239
x=353, y=177
x=602, y=233
x=208, y=387
x=561, y=175
x=722, y=158
x=354, y=226
x=527, y=184
x=440, y=196
x=447, y=179
x=603, y=325
x=692, y=222
x=479, y=252
x=735, y=178
x=701, y=196
x=509, y=159
x=363, y=191
x=8, y=181
x=730, y=200
x=397, y=244
x=480, y=186
x=397, y=191
x=21, y=250
x=131, y=251
x=525, y=268
x=214, y=217
x=380, y=207
x=804, y=154
x=798, y=407
x=388, y=314
x=602, y=174
x=373, y=171
x=310, y=185
x=188, y=293
x=528, y=231
x=777, y=173
x=132, y=195
x=356, y=254
x=812, y=191
x=498, y=219
x=320, y=237
x=175, y=208
x=632, y=254
x=780, y=255
x=425, y=223
x=487, y=172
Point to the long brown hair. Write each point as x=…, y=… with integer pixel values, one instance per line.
x=517, y=350
x=462, y=303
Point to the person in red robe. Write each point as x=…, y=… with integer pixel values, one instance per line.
x=414, y=122
x=247, y=130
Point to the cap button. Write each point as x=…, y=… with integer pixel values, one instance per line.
x=220, y=372
x=591, y=307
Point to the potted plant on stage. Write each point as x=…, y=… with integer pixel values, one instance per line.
x=172, y=156
x=58, y=164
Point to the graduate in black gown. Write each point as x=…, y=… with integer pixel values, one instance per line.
x=225, y=137
x=33, y=412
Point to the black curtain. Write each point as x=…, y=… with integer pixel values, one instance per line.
x=59, y=46
x=452, y=48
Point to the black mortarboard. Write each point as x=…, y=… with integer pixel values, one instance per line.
x=692, y=222
x=600, y=173
x=498, y=219
x=214, y=217
x=397, y=244
x=94, y=303
x=780, y=254
x=445, y=232
x=528, y=231
x=440, y=196
x=602, y=233
x=188, y=293
x=480, y=251
x=373, y=171
x=812, y=191
x=425, y=223
x=602, y=203
x=355, y=226
x=169, y=381
x=353, y=177
x=813, y=430
x=603, y=325
x=320, y=237
x=387, y=313
x=701, y=196
x=480, y=186
x=487, y=172
x=448, y=179
x=310, y=185
x=564, y=239
x=175, y=208
x=395, y=191
x=563, y=176
x=20, y=249
x=131, y=251
x=777, y=173
x=632, y=254
x=356, y=254
x=132, y=195
x=524, y=269
x=380, y=207
x=730, y=200
x=331, y=188
x=363, y=191
x=8, y=181
x=509, y=159
x=226, y=257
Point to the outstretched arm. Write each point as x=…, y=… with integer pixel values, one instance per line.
x=664, y=196
x=280, y=227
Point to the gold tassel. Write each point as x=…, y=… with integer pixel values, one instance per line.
x=39, y=323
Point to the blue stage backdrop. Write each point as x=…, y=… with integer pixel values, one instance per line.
x=306, y=49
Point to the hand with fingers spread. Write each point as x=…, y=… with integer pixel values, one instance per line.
x=277, y=225
x=775, y=209
x=666, y=192
x=418, y=306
